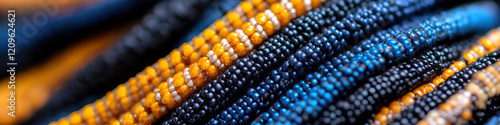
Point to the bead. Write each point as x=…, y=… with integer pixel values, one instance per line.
x=204, y=63
x=256, y=39
x=187, y=49
x=248, y=28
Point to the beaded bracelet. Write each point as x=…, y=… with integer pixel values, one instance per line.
x=393, y=50
x=457, y=109
x=200, y=106
x=443, y=91
x=259, y=97
x=485, y=45
x=358, y=106
x=173, y=92
x=129, y=93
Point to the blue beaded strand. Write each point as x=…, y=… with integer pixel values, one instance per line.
x=477, y=17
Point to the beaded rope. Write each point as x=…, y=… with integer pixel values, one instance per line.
x=457, y=109
x=391, y=51
x=443, y=91
x=129, y=93
x=485, y=45
x=259, y=97
x=170, y=94
x=358, y=106
x=217, y=93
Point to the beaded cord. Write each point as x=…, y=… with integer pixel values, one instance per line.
x=216, y=93
x=259, y=97
x=431, y=99
x=312, y=78
x=360, y=104
x=393, y=50
x=170, y=94
x=494, y=120
x=129, y=93
x=459, y=107
x=486, y=44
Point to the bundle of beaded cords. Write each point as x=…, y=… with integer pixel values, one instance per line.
x=261, y=96
x=389, y=53
x=494, y=120
x=358, y=106
x=485, y=45
x=171, y=93
x=250, y=67
x=127, y=93
x=119, y=62
x=458, y=108
x=431, y=99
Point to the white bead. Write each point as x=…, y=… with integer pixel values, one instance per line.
x=307, y=3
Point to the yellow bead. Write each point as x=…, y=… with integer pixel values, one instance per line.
x=219, y=24
x=285, y=18
x=396, y=107
x=459, y=65
x=184, y=91
x=261, y=18
x=168, y=100
x=315, y=3
x=218, y=49
x=166, y=74
x=204, y=63
x=156, y=110
x=256, y=39
x=487, y=43
x=156, y=81
x=180, y=67
x=64, y=122
x=226, y=59
x=175, y=57
x=150, y=72
x=212, y=72
x=149, y=100
x=187, y=49
x=194, y=70
x=246, y=7
x=233, y=16
x=209, y=34
x=144, y=118
x=121, y=91
x=237, y=24
x=277, y=8
x=438, y=80
x=128, y=119
x=240, y=49
x=194, y=58
x=138, y=109
x=204, y=49
x=269, y=27
x=162, y=64
x=233, y=39
x=101, y=110
x=178, y=79
x=198, y=41
x=216, y=39
x=75, y=118
x=223, y=32
x=248, y=28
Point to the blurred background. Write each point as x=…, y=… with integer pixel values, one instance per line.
x=70, y=52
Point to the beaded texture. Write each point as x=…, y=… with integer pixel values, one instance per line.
x=393, y=50
x=457, y=108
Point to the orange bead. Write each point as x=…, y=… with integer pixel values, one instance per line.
x=218, y=49
x=212, y=72
x=459, y=65
x=162, y=64
x=219, y=24
x=194, y=70
x=226, y=59
x=75, y=118
x=233, y=39
x=438, y=80
x=488, y=44
x=237, y=24
x=240, y=49
x=385, y=110
x=272, y=1
x=478, y=50
x=277, y=8
x=150, y=72
x=149, y=100
x=422, y=122
x=233, y=16
x=121, y=91
x=168, y=100
x=156, y=110
x=199, y=81
x=204, y=63
x=166, y=74
x=223, y=32
x=315, y=3
x=204, y=49
x=256, y=39
x=125, y=103
x=407, y=100
x=396, y=107
x=88, y=114
x=194, y=58
x=209, y=34
x=246, y=6
x=381, y=118
x=198, y=42
x=299, y=7
x=261, y=7
x=180, y=67
x=216, y=39
x=128, y=119
x=261, y=18
x=143, y=82
x=114, y=122
x=175, y=57
x=285, y=18
x=419, y=91
x=268, y=27
x=156, y=81
x=110, y=102
x=447, y=73
x=428, y=88
x=467, y=114
x=64, y=121
x=101, y=110
x=248, y=28
x=178, y=79
x=187, y=49
x=138, y=109
x=184, y=91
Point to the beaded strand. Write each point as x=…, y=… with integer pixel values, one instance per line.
x=391, y=83
x=259, y=97
x=170, y=94
x=485, y=45
x=127, y=94
x=218, y=92
x=392, y=51
x=457, y=109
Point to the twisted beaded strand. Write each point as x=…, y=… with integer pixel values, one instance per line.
x=485, y=45
x=392, y=51
x=177, y=88
x=218, y=92
x=125, y=95
x=358, y=106
x=457, y=109
x=259, y=97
